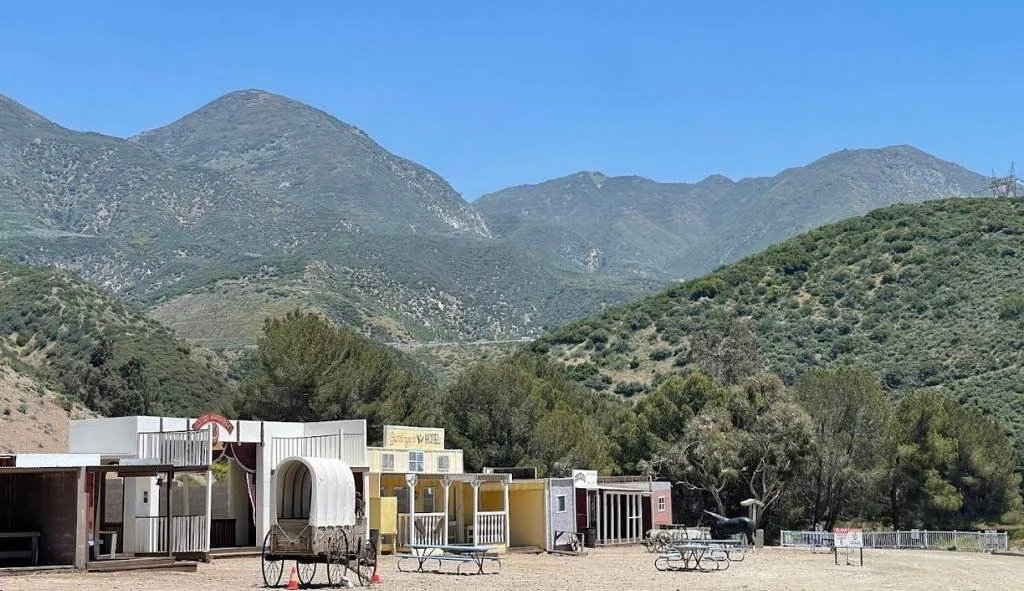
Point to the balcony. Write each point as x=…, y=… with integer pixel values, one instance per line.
x=182, y=449
x=344, y=446
x=384, y=460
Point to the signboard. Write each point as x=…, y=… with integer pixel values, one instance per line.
x=218, y=422
x=584, y=478
x=848, y=537
x=417, y=438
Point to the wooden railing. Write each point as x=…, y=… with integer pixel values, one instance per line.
x=490, y=527
x=344, y=446
x=429, y=528
x=189, y=534
x=178, y=448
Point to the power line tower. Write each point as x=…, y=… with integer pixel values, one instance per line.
x=1005, y=186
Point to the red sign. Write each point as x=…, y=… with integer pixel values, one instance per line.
x=849, y=537
x=218, y=421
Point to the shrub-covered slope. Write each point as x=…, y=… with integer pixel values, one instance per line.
x=925, y=295
x=94, y=348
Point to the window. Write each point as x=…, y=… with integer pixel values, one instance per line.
x=415, y=461
x=387, y=462
x=443, y=464
x=428, y=500
x=661, y=503
x=561, y=503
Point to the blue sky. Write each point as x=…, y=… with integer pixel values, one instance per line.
x=492, y=94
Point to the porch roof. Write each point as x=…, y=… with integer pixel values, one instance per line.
x=619, y=489
x=457, y=477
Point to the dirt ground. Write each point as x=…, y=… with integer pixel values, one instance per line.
x=601, y=569
x=32, y=419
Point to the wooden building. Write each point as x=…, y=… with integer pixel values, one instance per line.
x=421, y=494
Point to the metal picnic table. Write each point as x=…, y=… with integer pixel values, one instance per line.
x=454, y=552
x=691, y=554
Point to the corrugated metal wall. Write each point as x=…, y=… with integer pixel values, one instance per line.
x=46, y=503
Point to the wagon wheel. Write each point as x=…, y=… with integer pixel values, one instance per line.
x=306, y=571
x=362, y=560
x=337, y=557
x=272, y=567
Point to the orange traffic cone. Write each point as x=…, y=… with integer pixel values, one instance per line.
x=293, y=583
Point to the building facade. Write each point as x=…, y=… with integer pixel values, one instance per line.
x=421, y=494
x=251, y=449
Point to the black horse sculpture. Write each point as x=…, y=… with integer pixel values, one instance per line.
x=726, y=526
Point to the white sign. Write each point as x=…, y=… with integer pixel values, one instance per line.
x=584, y=478
x=848, y=537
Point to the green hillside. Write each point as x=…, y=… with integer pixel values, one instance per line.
x=925, y=295
x=96, y=349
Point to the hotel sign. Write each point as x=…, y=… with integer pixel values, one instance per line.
x=584, y=478
x=217, y=421
x=418, y=438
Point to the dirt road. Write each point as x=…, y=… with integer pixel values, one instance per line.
x=607, y=569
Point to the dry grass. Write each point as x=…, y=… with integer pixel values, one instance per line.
x=608, y=569
x=32, y=418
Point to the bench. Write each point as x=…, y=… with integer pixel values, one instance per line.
x=32, y=553
x=477, y=558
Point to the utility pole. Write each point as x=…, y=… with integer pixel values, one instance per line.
x=1005, y=186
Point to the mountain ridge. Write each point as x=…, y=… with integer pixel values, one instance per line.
x=610, y=213
x=255, y=202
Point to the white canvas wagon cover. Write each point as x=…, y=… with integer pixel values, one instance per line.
x=320, y=490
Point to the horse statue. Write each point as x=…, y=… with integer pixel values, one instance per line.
x=726, y=526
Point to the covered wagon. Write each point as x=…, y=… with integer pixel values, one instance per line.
x=317, y=517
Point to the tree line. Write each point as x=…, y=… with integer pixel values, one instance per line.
x=830, y=448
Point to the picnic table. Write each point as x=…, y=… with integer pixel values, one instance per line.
x=458, y=553
x=693, y=556
x=32, y=553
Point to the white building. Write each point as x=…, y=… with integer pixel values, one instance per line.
x=191, y=445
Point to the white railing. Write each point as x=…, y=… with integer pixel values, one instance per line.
x=490, y=527
x=189, y=534
x=349, y=447
x=178, y=448
x=353, y=449
x=976, y=541
x=429, y=528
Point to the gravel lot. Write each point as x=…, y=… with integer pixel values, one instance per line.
x=617, y=568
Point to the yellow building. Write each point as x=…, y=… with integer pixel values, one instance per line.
x=420, y=494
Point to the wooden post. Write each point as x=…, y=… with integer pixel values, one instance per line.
x=508, y=531
x=170, y=537
x=476, y=511
x=446, y=482
x=81, y=518
x=208, y=510
x=410, y=480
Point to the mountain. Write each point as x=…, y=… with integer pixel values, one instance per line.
x=923, y=295
x=326, y=176
x=255, y=204
x=633, y=226
x=78, y=340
